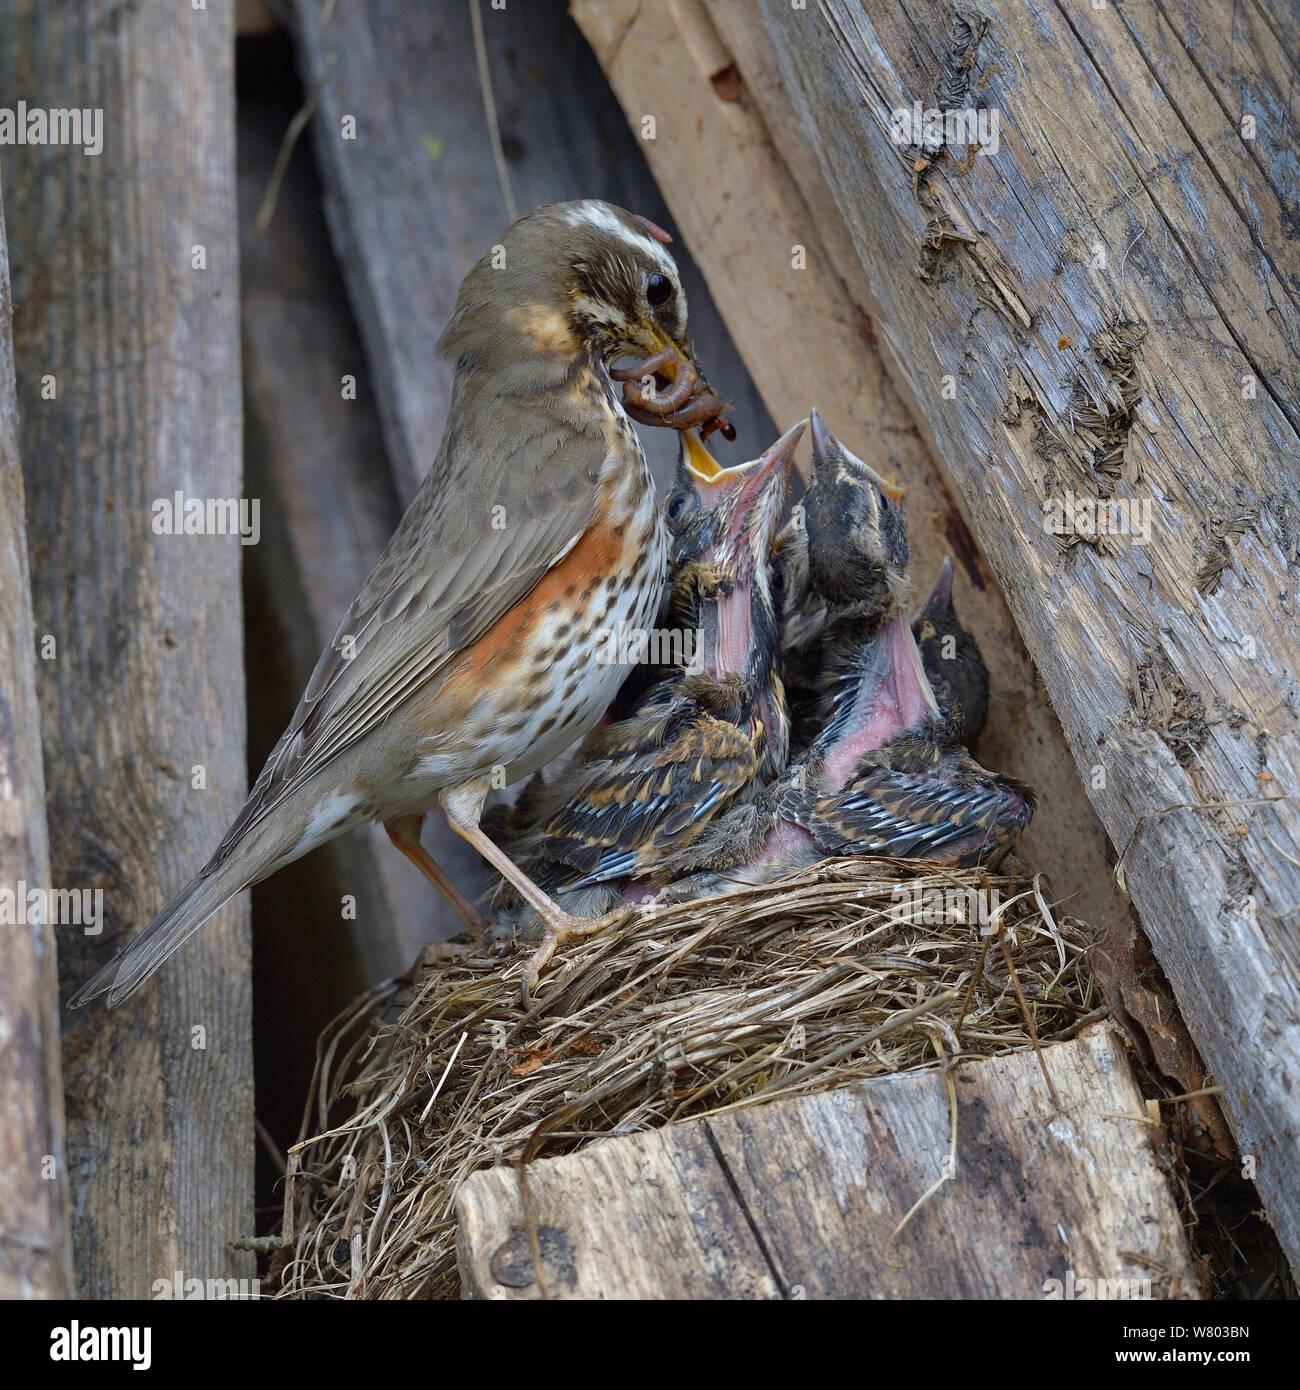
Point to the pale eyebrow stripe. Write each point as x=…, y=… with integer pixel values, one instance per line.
x=597, y=216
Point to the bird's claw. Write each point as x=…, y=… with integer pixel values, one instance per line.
x=536, y=963
x=577, y=927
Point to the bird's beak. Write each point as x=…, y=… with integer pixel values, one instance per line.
x=713, y=482
x=701, y=464
x=668, y=357
x=686, y=400
x=912, y=689
x=827, y=449
x=771, y=467
x=940, y=598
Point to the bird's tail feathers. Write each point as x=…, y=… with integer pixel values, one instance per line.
x=181, y=916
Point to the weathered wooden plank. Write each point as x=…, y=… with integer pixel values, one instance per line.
x=1035, y=1196
x=1239, y=115
x=807, y=340
x=1283, y=22
x=1036, y=1201
x=1109, y=318
x=411, y=201
x=35, y=1256
x=127, y=342
x=329, y=508
x=648, y=1216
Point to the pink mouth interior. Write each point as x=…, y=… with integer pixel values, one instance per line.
x=903, y=698
x=734, y=616
x=732, y=653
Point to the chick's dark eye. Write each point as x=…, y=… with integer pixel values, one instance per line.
x=676, y=505
x=658, y=290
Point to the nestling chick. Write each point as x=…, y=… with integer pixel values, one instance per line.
x=886, y=775
x=701, y=740
x=953, y=661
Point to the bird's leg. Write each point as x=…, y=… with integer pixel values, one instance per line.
x=404, y=832
x=462, y=806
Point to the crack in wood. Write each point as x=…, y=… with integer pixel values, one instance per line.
x=730, y=1179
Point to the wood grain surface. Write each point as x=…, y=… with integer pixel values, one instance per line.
x=1106, y=308
x=821, y=1196
x=129, y=390
x=316, y=457
x=746, y=192
x=35, y=1256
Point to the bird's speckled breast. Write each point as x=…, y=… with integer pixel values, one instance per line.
x=547, y=671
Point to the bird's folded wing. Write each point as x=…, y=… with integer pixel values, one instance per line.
x=623, y=812
x=454, y=566
x=906, y=814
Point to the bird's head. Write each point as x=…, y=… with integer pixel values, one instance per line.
x=624, y=291
x=570, y=279
x=953, y=658
x=857, y=537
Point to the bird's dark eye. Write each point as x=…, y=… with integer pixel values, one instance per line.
x=778, y=581
x=676, y=505
x=658, y=290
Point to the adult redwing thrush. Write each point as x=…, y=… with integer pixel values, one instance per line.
x=953, y=662
x=702, y=739
x=886, y=775
x=468, y=657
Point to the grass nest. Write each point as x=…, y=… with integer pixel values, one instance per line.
x=848, y=970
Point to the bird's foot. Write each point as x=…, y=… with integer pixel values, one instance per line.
x=561, y=927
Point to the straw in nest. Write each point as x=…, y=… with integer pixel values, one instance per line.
x=835, y=974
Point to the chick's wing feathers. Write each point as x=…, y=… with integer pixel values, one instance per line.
x=907, y=814
x=624, y=812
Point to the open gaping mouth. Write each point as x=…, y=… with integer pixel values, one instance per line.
x=759, y=487
x=704, y=468
x=893, y=695
x=701, y=464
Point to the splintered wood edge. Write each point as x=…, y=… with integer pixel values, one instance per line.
x=159, y=1136
x=1170, y=663
x=37, y=1258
